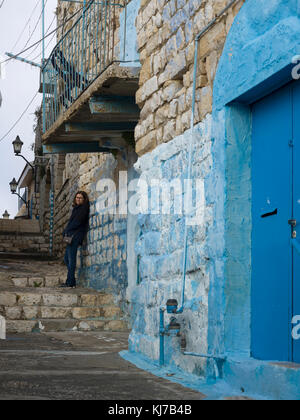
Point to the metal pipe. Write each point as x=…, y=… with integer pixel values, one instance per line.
x=208, y=356
x=51, y=207
x=197, y=40
x=44, y=70
x=161, y=336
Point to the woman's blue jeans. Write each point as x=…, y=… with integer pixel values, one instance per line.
x=70, y=261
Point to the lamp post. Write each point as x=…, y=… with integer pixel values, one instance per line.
x=18, y=144
x=13, y=189
x=6, y=215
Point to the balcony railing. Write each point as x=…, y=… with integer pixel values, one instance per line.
x=80, y=56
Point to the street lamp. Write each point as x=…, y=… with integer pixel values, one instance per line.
x=18, y=144
x=13, y=188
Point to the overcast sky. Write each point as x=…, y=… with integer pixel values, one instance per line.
x=19, y=85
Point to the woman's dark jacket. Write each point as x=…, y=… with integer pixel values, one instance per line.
x=79, y=223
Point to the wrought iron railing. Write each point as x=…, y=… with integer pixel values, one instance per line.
x=80, y=56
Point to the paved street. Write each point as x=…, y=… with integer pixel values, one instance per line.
x=77, y=366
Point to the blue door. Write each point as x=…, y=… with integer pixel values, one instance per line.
x=275, y=217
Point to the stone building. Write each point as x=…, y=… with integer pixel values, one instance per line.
x=213, y=81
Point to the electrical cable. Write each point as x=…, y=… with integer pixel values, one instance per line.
x=40, y=54
x=26, y=24
x=34, y=29
x=41, y=40
x=47, y=31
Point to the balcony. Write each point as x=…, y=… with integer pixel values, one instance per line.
x=90, y=80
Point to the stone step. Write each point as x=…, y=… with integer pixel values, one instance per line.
x=31, y=281
x=34, y=256
x=32, y=313
x=60, y=325
x=63, y=298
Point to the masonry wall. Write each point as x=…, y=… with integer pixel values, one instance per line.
x=166, y=38
x=103, y=262
x=66, y=186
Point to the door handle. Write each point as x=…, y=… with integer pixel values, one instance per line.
x=293, y=224
x=272, y=213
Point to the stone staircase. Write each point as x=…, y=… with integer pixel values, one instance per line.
x=37, y=304
x=22, y=238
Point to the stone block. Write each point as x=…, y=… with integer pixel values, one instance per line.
x=89, y=300
x=20, y=282
x=92, y=325
x=55, y=313
x=84, y=326
x=57, y=325
x=52, y=281
x=147, y=90
x=13, y=312
x=105, y=299
x=20, y=326
x=30, y=312
x=110, y=312
x=8, y=299
x=36, y=282
x=29, y=299
x=61, y=300
x=116, y=326
x=83, y=313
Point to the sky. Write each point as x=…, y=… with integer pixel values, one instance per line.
x=19, y=82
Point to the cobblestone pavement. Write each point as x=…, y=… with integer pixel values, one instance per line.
x=78, y=366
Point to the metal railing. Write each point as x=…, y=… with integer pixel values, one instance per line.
x=80, y=56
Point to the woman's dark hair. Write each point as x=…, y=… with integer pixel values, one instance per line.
x=84, y=195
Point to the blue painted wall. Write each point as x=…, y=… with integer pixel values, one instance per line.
x=256, y=60
x=128, y=35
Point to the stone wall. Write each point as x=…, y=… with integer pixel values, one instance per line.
x=104, y=260
x=22, y=236
x=166, y=40
x=160, y=249
x=66, y=187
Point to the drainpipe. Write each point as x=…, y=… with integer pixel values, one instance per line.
x=51, y=206
x=43, y=70
x=191, y=143
x=179, y=311
x=197, y=40
x=173, y=329
x=161, y=336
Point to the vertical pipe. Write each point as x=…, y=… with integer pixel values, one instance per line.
x=161, y=337
x=189, y=174
x=51, y=206
x=82, y=43
x=105, y=31
x=43, y=67
x=125, y=31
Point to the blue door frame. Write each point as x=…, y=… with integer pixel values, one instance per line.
x=275, y=201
